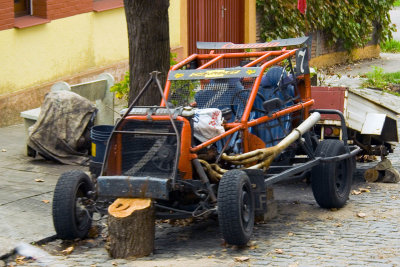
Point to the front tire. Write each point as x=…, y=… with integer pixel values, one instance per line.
x=331, y=181
x=70, y=217
x=236, y=207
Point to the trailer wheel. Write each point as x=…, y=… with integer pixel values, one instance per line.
x=70, y=216
x=236, y=207
x=331, y=181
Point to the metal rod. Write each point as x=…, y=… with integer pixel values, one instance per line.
x=104, y=165
x=178, y=136
x=140, y=132
x=292, y=137
x=342, y=123
x=343, y=156
x=209, y=63
x=204, y=179
x=285, y=175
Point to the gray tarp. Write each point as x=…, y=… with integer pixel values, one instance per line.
x=60, y=132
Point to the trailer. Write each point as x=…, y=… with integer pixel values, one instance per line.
x=371, y=117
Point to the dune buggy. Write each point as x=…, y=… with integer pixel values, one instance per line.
x=218, y=139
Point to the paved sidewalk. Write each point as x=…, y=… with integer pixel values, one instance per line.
x=348, y=75
x=26, y=184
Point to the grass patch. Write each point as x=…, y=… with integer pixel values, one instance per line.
x=396, y=3
x=378, y=79
x=391, y=46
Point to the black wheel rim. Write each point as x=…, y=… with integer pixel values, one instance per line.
x=82, y=218
x=246, y=206
x=340, y=178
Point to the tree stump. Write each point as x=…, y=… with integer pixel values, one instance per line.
x=131, y=227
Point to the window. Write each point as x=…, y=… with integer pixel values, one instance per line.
x=22, y=8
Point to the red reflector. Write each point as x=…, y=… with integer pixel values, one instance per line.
x=328, y=131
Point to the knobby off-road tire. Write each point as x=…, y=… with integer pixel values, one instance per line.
x=236, y=207
x=331, y=181
x=70, y=217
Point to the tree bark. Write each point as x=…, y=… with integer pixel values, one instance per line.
x=131, y=228
x=391, y=176
x=149, y=50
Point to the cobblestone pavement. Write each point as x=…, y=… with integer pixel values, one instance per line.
x=364, y=232
x=26, y=187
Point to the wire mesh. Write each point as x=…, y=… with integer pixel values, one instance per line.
x=147, y=154
x=230, y=93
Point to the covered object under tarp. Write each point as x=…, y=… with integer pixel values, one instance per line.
x=61, y=132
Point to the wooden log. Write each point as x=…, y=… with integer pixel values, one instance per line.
x=131, y=228
x=371, y=175
x=391, y=176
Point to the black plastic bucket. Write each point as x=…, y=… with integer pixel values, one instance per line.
x=100, y=135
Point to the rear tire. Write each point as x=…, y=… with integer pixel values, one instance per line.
x=70, y=217
x=331, y=181
x=236, y=207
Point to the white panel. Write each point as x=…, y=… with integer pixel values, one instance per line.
x=358, y=108
x=373, y=123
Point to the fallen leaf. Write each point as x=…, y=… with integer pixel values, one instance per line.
x=253, y=247
x=290, y=234
x=4, y=150
x=393, y=197
x=364, y=190
x=355, y=192
x=39, y=180
x=224, y=250
x=252, y=243
x=361, y=214
x=339, y=225
x=46, y=201
x=211, y=256
x=20, y=260
x=68, y=250
x=114, y=263
x=278, y=251
x=241, y=259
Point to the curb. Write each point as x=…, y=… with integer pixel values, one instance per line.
x=39, y=242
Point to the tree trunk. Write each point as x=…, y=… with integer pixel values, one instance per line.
x=148, y=32
x=131, y=223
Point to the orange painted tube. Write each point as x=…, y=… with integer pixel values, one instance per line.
x=257, y=82
x=184, y=62
x=281, y=113
x=175, y=67
x=241, y=55
x=258, y=60
x=215, y=139
x=209, y=63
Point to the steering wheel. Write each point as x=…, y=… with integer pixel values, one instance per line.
x=241, y=98
x=164, y=159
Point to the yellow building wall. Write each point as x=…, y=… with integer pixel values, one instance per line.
x=250, y=21
x=175, y=21
x=64, y=47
